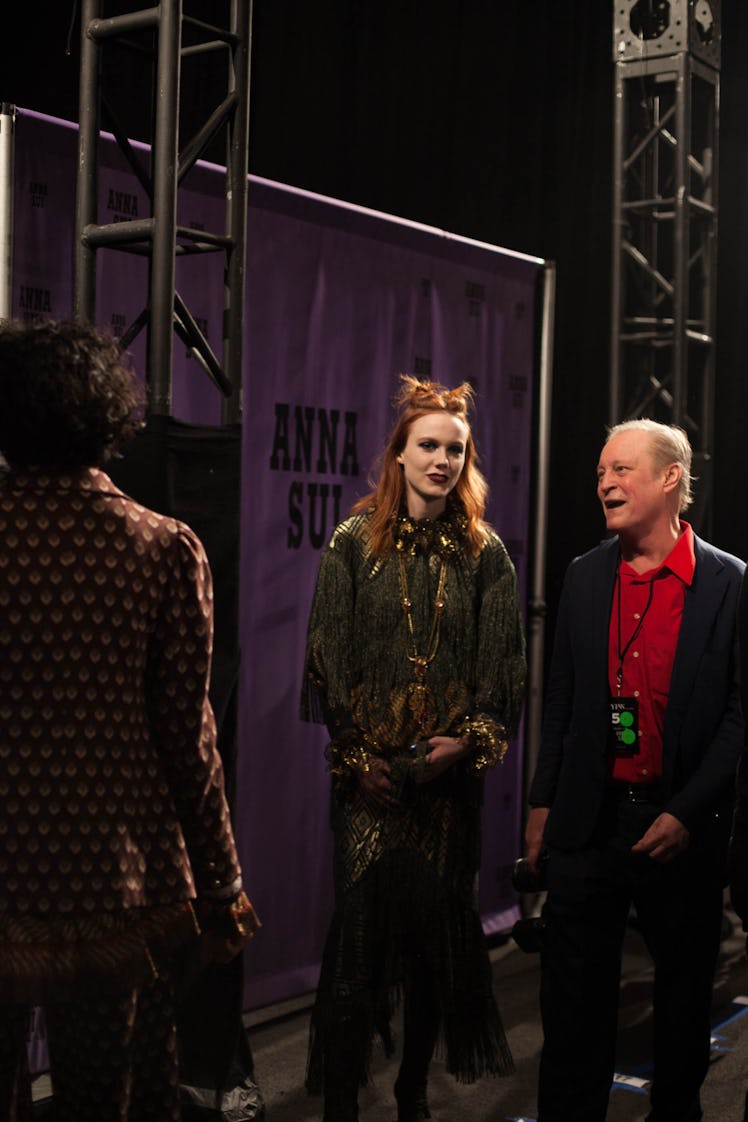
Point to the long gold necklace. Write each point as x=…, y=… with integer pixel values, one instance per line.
x=418, y=694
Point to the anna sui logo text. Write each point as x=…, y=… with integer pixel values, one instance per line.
x=316, y=441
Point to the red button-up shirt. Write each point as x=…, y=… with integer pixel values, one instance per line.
x=648, y=661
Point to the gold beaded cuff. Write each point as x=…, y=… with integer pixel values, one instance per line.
x=226, y=928
x=487, y=741
x=244, y=918
x=346, y=754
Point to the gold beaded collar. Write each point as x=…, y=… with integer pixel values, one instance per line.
x=444, y=535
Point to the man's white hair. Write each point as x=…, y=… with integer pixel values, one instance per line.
x=668, y=445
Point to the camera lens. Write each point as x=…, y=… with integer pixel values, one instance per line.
x=528, y=934
x=525, y=879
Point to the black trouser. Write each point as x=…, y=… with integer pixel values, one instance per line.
x=348, y=1046
x=113, y=1058
x=679, y=906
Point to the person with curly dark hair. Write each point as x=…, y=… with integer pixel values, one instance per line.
x=69, y=395
x=114, y=819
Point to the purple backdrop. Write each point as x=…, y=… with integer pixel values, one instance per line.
x=339, y=302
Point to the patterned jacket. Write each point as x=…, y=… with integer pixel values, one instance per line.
x=111, y=789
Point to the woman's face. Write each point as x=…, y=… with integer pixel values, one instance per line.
x=432, y=461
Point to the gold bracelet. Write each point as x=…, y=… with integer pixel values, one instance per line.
x=245, y=918
x=348, y=753
x=486, y=739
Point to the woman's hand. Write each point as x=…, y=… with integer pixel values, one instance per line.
x=375, y=783
x=445, y=751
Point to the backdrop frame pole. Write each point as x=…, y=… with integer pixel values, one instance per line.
x=7, y=153
x=537, y=607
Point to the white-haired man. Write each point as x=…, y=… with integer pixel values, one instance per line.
x=633, y=790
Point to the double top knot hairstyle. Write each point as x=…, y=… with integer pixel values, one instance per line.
x=416, y=399
x=431, y=397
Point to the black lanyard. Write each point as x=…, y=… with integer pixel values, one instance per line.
x=623, y=652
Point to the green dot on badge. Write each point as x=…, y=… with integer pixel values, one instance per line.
x=627, y=719
x=628, y=736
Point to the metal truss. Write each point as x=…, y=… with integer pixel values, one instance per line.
x=168, y=39
x=664, y=271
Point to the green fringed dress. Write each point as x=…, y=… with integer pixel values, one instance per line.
x=406, y=879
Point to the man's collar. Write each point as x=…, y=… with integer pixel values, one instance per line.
x=682, y=557
x=681, y=560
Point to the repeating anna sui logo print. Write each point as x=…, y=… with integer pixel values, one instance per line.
x=34, y=303
x=476, y=297
x=313, y=441
x=517, y=389
x=122, y=206
x=38, y=194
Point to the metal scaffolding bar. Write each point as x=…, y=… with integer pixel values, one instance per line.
x=159, y=33
x=664, y=235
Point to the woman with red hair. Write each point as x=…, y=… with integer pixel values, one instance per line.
x=415, y=661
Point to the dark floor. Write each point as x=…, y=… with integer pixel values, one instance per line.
x=280, y=1048
x=279, y=1038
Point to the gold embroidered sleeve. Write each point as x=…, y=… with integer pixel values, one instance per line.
x=501, y=667
x=346, y=754
x=329, y=663
x=487, y=739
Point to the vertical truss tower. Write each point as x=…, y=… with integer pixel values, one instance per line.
x=166, y=40
x=666, y=129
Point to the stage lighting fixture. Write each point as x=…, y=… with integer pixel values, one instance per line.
x=650, y=18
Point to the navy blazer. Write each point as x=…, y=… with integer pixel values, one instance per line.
x=703, y=730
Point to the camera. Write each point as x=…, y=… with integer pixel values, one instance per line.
x=528, y=932
x=525, y=878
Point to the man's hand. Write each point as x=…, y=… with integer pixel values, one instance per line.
x=226, y=928
x=534, y=831
x=664, y=840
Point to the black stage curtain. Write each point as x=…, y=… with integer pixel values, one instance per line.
x=493, y=120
